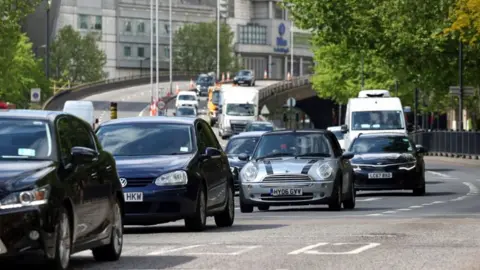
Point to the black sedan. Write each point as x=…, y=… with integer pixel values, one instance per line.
x=54, y=175
x=388, y=161
x=171, y=168
x=245, y=77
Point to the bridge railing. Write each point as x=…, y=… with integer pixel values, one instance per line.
x=283, y=86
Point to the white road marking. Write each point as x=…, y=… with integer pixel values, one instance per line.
x=438, y=202
x=416, y=206
x=243, y=249
x=368, y=200
x=404, y=209
x=471, y=187
x=439, y=174
x=374, y=215
x=389, y=212
x=172, y=250
x=308, y=249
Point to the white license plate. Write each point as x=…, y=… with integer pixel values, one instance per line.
x=286, y=192
x=133, y=196
x=240, y=81
x=379, y=175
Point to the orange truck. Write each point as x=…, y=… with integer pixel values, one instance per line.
x=213, y=102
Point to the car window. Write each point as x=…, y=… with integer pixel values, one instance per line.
x=146, y=139
x=377, y=120
x=390, y=144
x=66, y=135
x=293, y=144
x=211, y=138
x=82, y=136
x=338, y=134
x=185, y=111
x=202, y=141
x=187, y=97
x=259, y=127
x=337, y=149
x=237, y=146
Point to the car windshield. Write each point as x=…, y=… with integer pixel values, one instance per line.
x=392, y=144
x=204, y=80
x=293, y=144
x=241, y=109
x=216, y=97
x=237, y=146
x=338, y=134
x=377, y=120
x=185, y=111
x=243, y=73
x=146, y=139
x=259, y=127
x=187, y=97
x=25, y=138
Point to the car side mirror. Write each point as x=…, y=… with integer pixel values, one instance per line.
x=420, y=149
x=83, y=155
x=243, y=157
x=344, y=129
x=410, y=128
x=347, y=155
x=211, y=152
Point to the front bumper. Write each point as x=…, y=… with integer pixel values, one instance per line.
x=16, y=226
x=159, y=206
x=242, y=81
x=401, y=179
x=315, y=192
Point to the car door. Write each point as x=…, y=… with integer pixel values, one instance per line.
x=345, y=166
x=96, y=190
x=222, y=167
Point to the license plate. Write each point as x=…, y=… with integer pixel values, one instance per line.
x=379, y=175
x=240, y=81
x=133, y=196
x=286, y=192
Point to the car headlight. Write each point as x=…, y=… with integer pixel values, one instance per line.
x=32, y=197
x=356, y=168
x=235, y=78
x=172, y=179
x=324, y=171
x=407, y=166
x=232, y=169
x=249, y=172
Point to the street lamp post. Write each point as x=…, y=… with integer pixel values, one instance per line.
x=218, y=39
x=291, y=48
x=156, y=52
x=170, y=49
x=152, y=23
x=47, y=43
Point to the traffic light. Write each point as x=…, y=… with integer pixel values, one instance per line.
x=223, y=7
x=113, y=110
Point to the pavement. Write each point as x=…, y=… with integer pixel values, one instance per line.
x=386, y=230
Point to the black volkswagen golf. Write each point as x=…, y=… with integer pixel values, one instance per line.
x=59, y=191
x=388, y=161
x=171, y=168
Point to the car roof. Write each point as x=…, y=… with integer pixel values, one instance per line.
x=150, y=119
x=261, y=122
x=190, y=93
x=34, y=114
x=288, y=131
x=248, y=134
x=382, y=134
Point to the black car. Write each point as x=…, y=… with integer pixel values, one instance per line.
x=171, y=168
x=388, y=161
x=54, y=175
x=204, y=81
x=245, y=77
x=259, y=126
x=243, y=143
x=185, y=111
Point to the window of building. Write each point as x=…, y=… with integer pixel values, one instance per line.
x=98, y=23
x=127, y=51
x=82, y=21
x=128, y=26
x=154, y=28
x=253, y=34
x=141, y=27
x=166, y=51
x=167, y=29
x=278, y=12
x=154, y=51
x=141, y=52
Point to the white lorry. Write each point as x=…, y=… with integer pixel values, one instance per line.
x=239, y=105
x=373, y=111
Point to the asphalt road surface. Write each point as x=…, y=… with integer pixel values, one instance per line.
x=387, y=230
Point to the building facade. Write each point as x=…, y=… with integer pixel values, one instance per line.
x=261, y=30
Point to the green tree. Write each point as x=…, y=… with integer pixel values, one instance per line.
x=195, y=48
x=77, y=58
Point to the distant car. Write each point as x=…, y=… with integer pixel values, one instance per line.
x=388, y=161
x=259, y=126
x=187, y=98
x=82, y=109
x=59, y=190
x=185, y=111
x=297, y=167
x=245, y=77
x=337, y=131
x=171, y=169
x=204, y=81
x=243, y=143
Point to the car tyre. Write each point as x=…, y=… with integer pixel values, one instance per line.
x=63, y=243
x=263, y=207
x=198, y=221
x=113, y=250
x=227, y=216
x=350, y=202
x=336, y=199
x=420, y=191
x=245, y=208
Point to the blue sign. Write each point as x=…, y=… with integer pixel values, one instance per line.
x=281, y=44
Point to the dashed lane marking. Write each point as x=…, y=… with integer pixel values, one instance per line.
x=442, y=175
x=368, y=200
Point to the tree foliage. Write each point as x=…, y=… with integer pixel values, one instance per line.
x=466, y=20
x=195, y=48
x=76, y=58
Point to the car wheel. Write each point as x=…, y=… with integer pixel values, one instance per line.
x=198, y=221
x=336, y=199
x=350, y=202
x=224, y=137
x=63, y=243
x=113, y=250
x=227, y=216
x=263, y=207
x=245, y=208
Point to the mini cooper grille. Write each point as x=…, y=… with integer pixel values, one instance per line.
x=287, y=178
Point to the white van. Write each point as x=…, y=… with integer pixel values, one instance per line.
x=82, y=109
x=187, y=98
x=374, y=112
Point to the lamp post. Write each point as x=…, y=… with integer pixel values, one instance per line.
x=170, y=49
x=218, y=40
x=47, y=42
x=152, y=23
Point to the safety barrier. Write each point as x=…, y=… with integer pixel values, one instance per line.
x=449, y=143
x=283, y=86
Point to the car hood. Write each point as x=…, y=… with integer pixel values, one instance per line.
x=19, y=174
x=150, y=166
x=235, y=162
x=382, y=159
x=187, y=102
x=288, y=165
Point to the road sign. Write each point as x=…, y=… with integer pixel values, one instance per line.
x=467, y=90
x=291, y=102
x=161, y=105
x=264, y=110
x=35, y=94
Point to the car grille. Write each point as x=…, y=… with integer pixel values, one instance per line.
x=137, y=207
x=186, y=105
x=237, y=128
x=382, y=168
x=268, y=197
x=287, y=178
x=139, y=182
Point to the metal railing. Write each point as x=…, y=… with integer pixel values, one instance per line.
x=449, y=143
x=283, y=86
